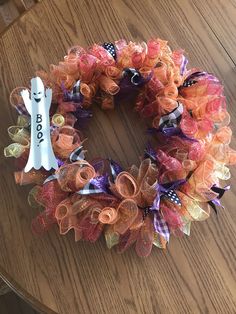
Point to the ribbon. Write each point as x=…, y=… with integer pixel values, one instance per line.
x=167, y=190
x=164, y=190
x=100, y=184
x=77, y=154
x=216, y=202
x=183, y=65
x=115, y=169
x=172, y=118
x=172, y=131
x=60, y=162
x=95, y=186
x=50, y=178
x=133, y=76
x=161, y=226
x=168, y=124
x=73, y=95
x=219, y=190
x=150, y=153
x=194, y=77
x=111, y=49
x=130, y=84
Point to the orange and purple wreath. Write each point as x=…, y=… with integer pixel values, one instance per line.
x=176, y=183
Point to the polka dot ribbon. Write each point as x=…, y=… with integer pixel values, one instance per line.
x=110, y=47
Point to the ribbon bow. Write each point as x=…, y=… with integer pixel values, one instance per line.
x=164, y=190
x=168, y=124
x=100, y=184
x=130, y=84
x=77, y=154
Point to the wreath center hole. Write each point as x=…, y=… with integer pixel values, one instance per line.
x=119, y=134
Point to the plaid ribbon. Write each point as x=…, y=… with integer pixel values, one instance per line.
x=161, y=226
x=164, y=190
x=74, y=95
x=168, y=124
x=77, y=154
x=173, y=118
x=100, y=184
x=95, y=186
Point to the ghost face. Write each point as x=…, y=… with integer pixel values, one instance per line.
x=37, y=89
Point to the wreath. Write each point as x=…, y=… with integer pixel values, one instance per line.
x=176, y=183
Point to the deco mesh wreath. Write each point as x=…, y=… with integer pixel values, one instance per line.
x=176, y=183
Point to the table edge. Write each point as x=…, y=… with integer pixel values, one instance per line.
x=23, y=294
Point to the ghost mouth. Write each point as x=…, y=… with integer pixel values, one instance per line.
x=37, y=99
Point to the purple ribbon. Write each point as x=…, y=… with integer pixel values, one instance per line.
x=161, y=226
x=183, y=65
x=130, y=84
x=102, y=183
x=164, y=190
x=115, y=169
x=97, y=164
x=149, y=152
x=194, y=78
x=216, y=202
x=73, y=95
x=171, y=131
x=60, y=162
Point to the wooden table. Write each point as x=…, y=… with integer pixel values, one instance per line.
x=55, y=274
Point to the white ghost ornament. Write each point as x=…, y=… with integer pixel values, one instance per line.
x=41, y=153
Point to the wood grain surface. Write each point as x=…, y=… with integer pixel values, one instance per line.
x=57, y=275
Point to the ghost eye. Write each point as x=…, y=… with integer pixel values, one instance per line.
x=34, y=93
x=39, y=92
